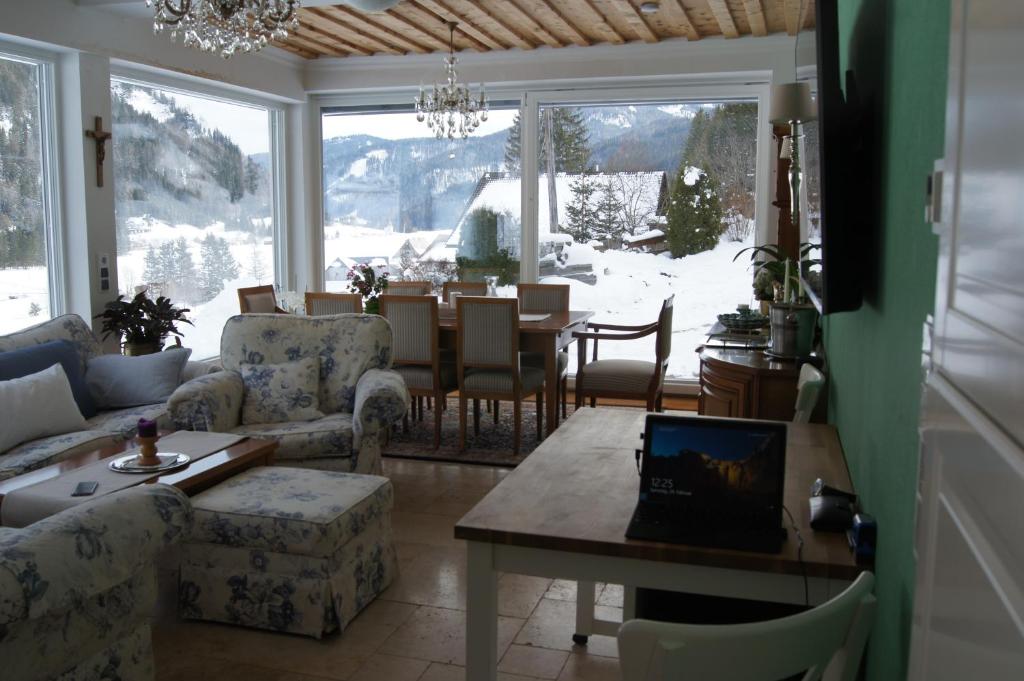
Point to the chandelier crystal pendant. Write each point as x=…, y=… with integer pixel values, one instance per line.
x=226, y=26
x=451, y=109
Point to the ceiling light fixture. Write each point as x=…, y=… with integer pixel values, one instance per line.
x=226, y=26
x=451, y=109
x=649, y=7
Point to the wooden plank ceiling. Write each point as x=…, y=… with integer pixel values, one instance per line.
x=418, y=26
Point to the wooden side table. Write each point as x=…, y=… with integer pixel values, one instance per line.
x=742, y=383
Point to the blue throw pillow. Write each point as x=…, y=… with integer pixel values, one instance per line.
x=118, y=381
x=32, y=360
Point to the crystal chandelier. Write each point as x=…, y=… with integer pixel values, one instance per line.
x=451, y=109
x=226, y=26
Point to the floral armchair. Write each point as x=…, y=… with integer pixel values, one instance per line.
x=358, y=393
x=78, y=589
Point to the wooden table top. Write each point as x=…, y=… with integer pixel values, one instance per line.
x=556, y=323
x=750, y=359
x=578, y=489
x=192, y=479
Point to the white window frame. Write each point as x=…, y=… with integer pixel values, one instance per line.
x=50, y=187
x=277, y=145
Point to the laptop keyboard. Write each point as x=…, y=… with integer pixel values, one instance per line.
x=748, y=530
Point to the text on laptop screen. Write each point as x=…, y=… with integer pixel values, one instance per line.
x=740, y=465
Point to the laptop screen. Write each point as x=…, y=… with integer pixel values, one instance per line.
x=713, y=462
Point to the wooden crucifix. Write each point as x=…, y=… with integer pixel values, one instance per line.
x=101, y=136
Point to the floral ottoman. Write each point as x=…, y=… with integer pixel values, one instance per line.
x=288, y=549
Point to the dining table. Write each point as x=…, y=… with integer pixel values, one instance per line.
x=547, y=336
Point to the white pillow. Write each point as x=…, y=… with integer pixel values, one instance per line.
x=38, y=405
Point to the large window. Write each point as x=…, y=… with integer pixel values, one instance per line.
x=417, y=207
x=27, y=229
x=194, y=201
x=638, y=202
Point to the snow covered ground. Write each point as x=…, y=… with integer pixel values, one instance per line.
x=629, y=290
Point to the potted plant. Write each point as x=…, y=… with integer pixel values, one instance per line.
x=142, y=324
x=364, y=280
x=770, y=274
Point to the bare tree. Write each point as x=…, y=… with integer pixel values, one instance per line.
x=638, y=209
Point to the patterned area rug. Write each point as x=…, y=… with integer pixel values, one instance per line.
x=492, y=447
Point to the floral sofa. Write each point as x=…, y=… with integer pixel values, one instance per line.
x=106, y=428
x=77, y=589
x=359, y=395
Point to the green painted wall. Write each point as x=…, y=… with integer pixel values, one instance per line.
x=898, y=50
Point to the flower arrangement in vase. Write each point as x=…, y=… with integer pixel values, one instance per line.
x=367, y=282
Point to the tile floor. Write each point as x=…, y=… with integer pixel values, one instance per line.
x=416, y=630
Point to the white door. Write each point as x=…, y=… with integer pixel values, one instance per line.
x=969, y=598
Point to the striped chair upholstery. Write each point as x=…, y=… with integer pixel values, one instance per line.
x=417, y=357
x=552, y=298
x=625, y=378
x=409, y=288
x=488, y=362
x=463, y=288
x=258, y=299
x=321, y=304
x=543, y=297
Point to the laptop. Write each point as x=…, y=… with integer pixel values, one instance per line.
x=712, y=482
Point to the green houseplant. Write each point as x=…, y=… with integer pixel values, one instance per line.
x=365, y=280
x=142, y=324
x=769, y=272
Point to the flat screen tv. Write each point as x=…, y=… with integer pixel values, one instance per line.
x=834, y=177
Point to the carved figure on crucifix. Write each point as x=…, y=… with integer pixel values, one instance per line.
x=100, y=136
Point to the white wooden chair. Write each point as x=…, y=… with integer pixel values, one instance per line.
x=826, y=642
x=808, y=389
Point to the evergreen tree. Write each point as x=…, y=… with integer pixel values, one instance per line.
x=253, y=175
x=570, y=140
x=694, y=214
x=22, y=242
x=216, y=267
x=153, y=271
x=257, y=270
x=34, y=310
x=608, y=222
x=724, y=143
x=580, y=212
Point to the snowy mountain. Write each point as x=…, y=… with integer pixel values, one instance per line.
x=422, y=183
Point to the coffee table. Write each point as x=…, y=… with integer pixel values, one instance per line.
x=194, y=478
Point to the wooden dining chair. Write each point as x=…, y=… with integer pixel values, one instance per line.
x=464, y=288
x=416, y=352
x=320, y=304
x=629, y=379
x=259, y=299
x=409, y=288
x=488, y=363
x=540, y=299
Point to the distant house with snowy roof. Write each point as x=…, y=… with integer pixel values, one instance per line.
x=644, y=196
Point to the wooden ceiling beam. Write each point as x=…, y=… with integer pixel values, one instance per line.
x=295, y=49
x=529, y=23
x=755, y=17
x=374, y=28
x=418, y=30
x=575, y=35
x=466, y=28
x=806, y=14
x=308, y=39
x=473, y=12
x=333, y=27
x=635, y=19
x=688, y=27
x=791, y=10
x=724, y=18
x=600, y=22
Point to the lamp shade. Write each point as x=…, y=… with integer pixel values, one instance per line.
x=792, y=102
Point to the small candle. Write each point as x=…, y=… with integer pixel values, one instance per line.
x=147, y=428
x=785, y=284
